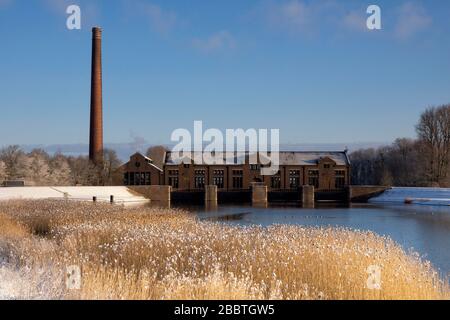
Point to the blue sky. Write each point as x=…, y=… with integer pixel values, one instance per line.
x=309, y=68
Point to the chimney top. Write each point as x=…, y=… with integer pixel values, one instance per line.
x=97, y=32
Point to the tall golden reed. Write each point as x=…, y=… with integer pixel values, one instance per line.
x=145, y=253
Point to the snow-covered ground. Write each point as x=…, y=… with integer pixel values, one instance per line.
x=425, y=196
x=121, y=194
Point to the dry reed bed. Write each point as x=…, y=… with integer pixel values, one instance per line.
x=145, y=253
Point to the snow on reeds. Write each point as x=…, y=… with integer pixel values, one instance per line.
x=147, y=253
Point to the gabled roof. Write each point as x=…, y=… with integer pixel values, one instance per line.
x=300, y=158
x=306, y=158
x=149, y=161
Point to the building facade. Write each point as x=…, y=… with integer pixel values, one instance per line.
x=323, y=170
x=140, y=171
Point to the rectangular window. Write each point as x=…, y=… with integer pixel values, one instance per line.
x=218, y=178
x=131, y=177
x=199, y=182
x=275, y=182
x=238, y=182
x=125, y=179
x=199, y=179
x=137, y=178
x=340, y=183
x=313, y=178
x=254, y=167
x=173, y=179
x=339, y=179
x=294, y=179
x=148, y=180
x=238, y=179
x=218, y=181
x=294, y=182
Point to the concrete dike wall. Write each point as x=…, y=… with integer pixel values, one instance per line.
x=102, y=194
x=259, y=194
x=153, y=193
x=364, y=193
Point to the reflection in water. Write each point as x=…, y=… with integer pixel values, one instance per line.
x=227, y=217
x=424, y=229
x=211, y=206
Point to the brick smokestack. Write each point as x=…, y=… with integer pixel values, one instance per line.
x=96, y=128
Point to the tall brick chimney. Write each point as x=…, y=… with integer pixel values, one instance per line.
x=96, y=128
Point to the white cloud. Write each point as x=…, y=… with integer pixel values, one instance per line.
x=355, y=21
x=58, y=6
x=221, y=40
x=161, y=20
x=301, y=16
x=294, y=15
x=412, y=19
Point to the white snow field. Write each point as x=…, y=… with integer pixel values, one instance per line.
x=121, y=194
x=422, y=196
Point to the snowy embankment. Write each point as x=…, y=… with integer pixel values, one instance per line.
x=423, y=196
x=103, y=194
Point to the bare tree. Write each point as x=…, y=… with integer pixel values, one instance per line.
x=433, y=131
x=38, y=167
x=404, y=163
x=407, y=162
x=398, y=164
x=83, y=172
x=42, y=169
x=15, y=161
x=110, y=165
x=386, y=178
x=365, y=167
x=3, y=175
x=61, y=174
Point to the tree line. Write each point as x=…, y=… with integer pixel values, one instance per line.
x=423, y=161
x=41, y=169
x=420, y=162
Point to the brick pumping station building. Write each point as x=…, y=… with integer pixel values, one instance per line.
x=323, y=170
